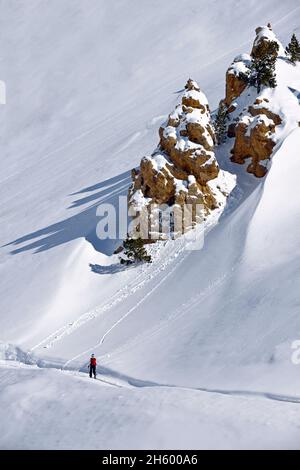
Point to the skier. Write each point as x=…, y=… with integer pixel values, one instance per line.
x=92, y=366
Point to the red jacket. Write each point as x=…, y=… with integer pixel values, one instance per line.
x=93, y=361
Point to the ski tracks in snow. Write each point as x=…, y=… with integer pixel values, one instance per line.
x=164, y=255
x=124, y=381
x=129, y=382
x=177, y=248
x=121, y=319
x=145, y=275
x=117, y=380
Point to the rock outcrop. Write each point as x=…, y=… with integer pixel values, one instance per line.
x=253, y=139
x=236, y=79
x=252, y=122
x=180, y=170
x=264, y=35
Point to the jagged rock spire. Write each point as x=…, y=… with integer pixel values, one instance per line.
x=179, y=170
x=265, y=34
x=252, y=122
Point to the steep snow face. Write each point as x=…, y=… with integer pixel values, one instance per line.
x=81, y=111
x=269, y=240
x=284, y=99
x=233, y=313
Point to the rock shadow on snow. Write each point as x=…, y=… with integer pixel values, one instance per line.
x=82, y=224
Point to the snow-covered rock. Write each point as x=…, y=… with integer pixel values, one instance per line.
x=178, y=171
x=236, y=81
x=265, y=34
x=259, y=121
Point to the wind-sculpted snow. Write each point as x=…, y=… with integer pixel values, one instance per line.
x=140, y=412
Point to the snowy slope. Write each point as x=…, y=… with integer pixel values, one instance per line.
x=62, y=411
x=225, y=328
x=83, y=105
x=235, y=324
x=88, y=84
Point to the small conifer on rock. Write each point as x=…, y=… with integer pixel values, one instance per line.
x=220, y=123
x=293, y=50
x=263, y=65
x=134, y=251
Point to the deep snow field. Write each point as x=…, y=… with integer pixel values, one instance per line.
x=194, y=350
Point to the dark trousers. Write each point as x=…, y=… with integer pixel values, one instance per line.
x=93, y=371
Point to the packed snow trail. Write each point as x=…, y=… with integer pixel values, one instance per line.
x=122, y=318
x=76, y=146
x=129, y=289
x=107, y=377
x=136, y=383
x=53, y=405
x=163, y=257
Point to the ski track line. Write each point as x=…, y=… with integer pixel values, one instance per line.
x=183, y=309
x=132, y=383
x=132, y=309
x=210, y=225
x=118, y=297
x=142, y=300
x=231, y=393
x=179, y=312
x=137, y=383
x=170, y=253
x=283, y=18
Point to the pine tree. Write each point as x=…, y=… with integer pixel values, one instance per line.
x=263, y=65
x=220, y=123
x=134, y=250
x=293, y=50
